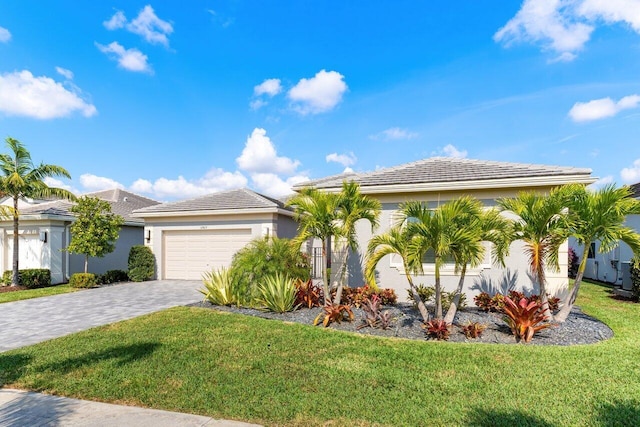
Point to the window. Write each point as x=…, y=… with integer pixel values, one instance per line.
x=592, y=251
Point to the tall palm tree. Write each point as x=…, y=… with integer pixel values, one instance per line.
x=316, y=214
x=395, y=241
x=542, y=225
x=20, y=178
x=353, y=206
x=439, y=230
x=484, y=226
x=598, y=215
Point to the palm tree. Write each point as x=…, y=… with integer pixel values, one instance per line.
x=542, y=225
x=395, y=241
x=485, y=226
x=439, y=230
x=352, y=207
x=316, y=214
x=20, y=178
x=598, y=215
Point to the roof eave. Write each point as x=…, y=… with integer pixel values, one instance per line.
x=483, y=184
x=205, y=212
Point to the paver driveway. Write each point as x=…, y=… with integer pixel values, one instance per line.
x=35, y=320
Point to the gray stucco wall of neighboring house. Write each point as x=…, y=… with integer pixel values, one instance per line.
x=117, y=260
x=287, y=227
x=610, y=266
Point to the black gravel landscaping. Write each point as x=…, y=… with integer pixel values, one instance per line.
x=577, y=329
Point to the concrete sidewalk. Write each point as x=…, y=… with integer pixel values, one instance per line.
x=22, y=408
x=35, y=320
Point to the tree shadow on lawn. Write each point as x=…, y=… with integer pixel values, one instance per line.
x=488, y=418
x=12, y=367
x=121, y=356
x=620, y=413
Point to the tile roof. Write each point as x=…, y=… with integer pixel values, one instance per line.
x=445, y=170
x=122, y=203
x=635, y=190
x=225, y=200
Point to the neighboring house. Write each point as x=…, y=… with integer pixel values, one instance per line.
x=613, y=266
x=436, y=181
x=44, y=234
x=194, y=236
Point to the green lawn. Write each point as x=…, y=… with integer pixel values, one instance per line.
x=231, y=366
x=35, y=293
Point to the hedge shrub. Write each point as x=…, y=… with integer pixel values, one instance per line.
x=112, y=276
x=30, y=278
x=83, y=280
x=142, y=263
x=635, y=278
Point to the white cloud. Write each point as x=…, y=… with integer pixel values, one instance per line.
x=67, y=74
x=565, y=26
x=318, y=94
x=146, y=24
x=22, y=94
x=129, y=59
x=605, y=180
x=259, y=156
x=116, y=21
x=549, y=22
x=347, y=170
x=257, y=104
x=613, y=11
x=270, y=87
x=272, y=185
x=631, y=175
x=213, y=181
x=347, y=159
x=394, y=134
x=56, y=183
x=96, y=183
x=450, y=150
x=5, y=35
x=602, y=108
x=150, y=27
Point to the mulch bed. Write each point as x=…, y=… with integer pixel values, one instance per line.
x=577, y=329
x=11, y=288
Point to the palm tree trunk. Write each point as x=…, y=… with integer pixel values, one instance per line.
x=543, y=294
x=16, y=242
x=438, y=290
x=341, y=276
x=416, y=296
x=325, y=279
x=453, y=308
x=571, y=298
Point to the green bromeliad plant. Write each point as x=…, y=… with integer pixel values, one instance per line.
x=278, y=293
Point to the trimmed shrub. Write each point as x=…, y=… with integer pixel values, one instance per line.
x=635, y=278
x=112, y=276
x=142, y=263
x=30, y=278
x=83, y=280
x=574, y=263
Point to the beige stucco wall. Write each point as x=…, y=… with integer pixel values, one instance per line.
x=489, y=278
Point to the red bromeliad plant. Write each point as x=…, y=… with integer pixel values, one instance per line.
x=334, y=313
x=307, y=294
x=438, y=329
x=473, y=329
x=525, y=318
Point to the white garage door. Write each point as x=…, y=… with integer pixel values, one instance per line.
x=189, y=253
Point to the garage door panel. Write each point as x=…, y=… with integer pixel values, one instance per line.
x=189, y=253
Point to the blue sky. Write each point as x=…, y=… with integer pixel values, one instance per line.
x=177, y=99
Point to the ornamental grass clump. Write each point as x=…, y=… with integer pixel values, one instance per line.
x=525, y=318
x=278, y=293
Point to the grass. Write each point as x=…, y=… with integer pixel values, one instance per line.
x=35, y=293
x=245, y=368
